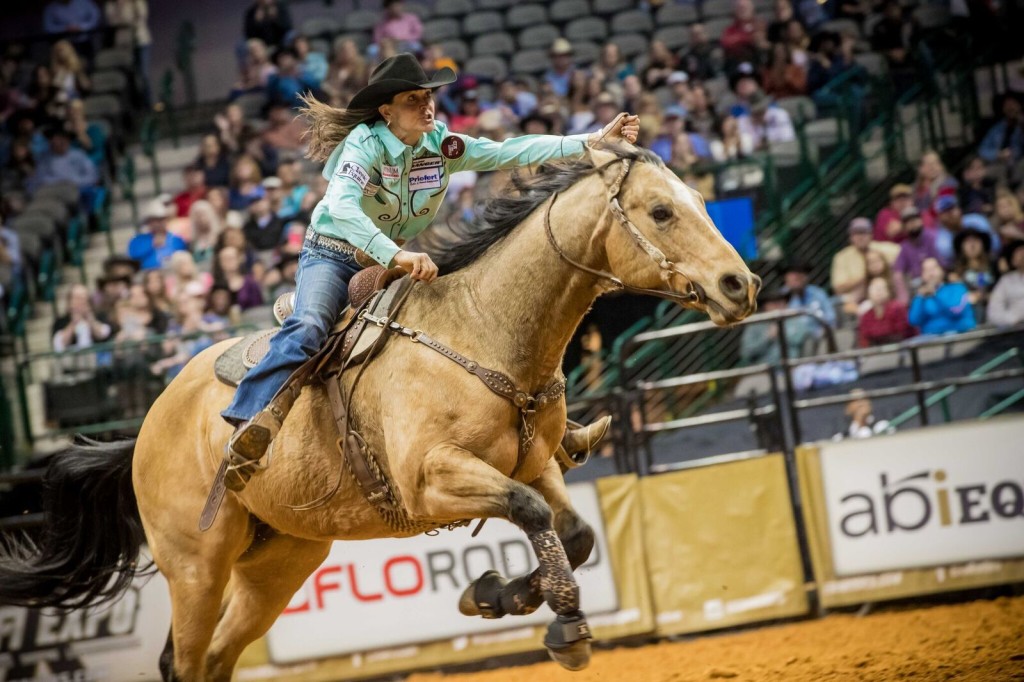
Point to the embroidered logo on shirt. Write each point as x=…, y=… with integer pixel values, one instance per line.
x=354, y=171
x=425, y=178
x=453, y=147
x=391, y=172
x=373, y=184
x=427, y=162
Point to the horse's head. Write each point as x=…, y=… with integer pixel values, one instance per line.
x=664, y=241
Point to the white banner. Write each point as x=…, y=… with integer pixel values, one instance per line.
x=118, y=642
x=387, y=593
x=930, y=497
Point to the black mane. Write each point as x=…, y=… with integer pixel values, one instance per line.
x=502, y=214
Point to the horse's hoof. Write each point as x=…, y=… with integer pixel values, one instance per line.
x=482, y=597
x=574, y=657
x=568, y=641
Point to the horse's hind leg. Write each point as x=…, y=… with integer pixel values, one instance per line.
x=522, y=596
x=458, y=485
x=262, y=583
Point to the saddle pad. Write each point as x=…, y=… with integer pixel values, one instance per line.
x=241, y=356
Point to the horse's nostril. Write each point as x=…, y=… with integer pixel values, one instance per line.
x=733, y=286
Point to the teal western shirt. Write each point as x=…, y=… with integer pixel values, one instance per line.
x=381, y=189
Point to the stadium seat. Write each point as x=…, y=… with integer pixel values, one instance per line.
x=538, y=37
x=489, y=67
x=62, y=191
x=632, y=21
x=252, y=104
x=109, y=82
x=499, y=42
x=931, y=16
x=322, y=27
x=530, y=62
x=674, y=37
x=587, y=28
x=453, y=8
x=609, y=7
x=494, y=4
x=631, y=44
x=39, y=224
x=479, y=23
x=485, y=92
x=873, y=62
x=716, y=27
x=437, y=30
x=422, y=11
x=456, y=49
x=114, y=58
x=798, y=108
x=842, y=27
x=31, y=245
x=585, y=53
x=361, y=20
x=320, y=45
x=525, y=16
x=710, y=9
x=671, y=14
x=54, y=209
x=823, y=132
x=106, y=106
x=564, y=11
x=716, y=87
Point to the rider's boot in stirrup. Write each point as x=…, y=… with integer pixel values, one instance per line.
x=578, y=441
x=247, y=447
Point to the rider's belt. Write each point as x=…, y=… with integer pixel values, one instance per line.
x=314, y=238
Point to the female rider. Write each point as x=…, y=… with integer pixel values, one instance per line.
x=388, y=162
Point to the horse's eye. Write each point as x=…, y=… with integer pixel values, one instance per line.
x=661, y=213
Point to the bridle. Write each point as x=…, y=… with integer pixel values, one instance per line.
x=668, y=268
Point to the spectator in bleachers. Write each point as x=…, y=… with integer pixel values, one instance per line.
x=560, y=75
x=259, y=150
x=660, y=63
x=71, y=16
x=220, y=308
x=606, y=108
x=153, y=247
x=288, y=83
x=933, y=181
x=186, y=341
x=138, y=316
x=889, y=221
x=80, y=326
x=234, y=236
x=1006, y=304
x=68, y=71
x=897, y=39
x=849, y=276
x=745, y=39
x=293, y=190
x=974, y=267
x=782, y=14
x=885, y=321
x=918, y=246
x=759, y=342
x=255, y=71
x=85, y=135
x=465, y=119
x=132, y=16
x=246, y=187
x=877, y=265
x=155, y=285
x=228, y=271
x=185, y=274
x=703, y=60
x=206, y=226
x=802, y=295
x=977, y=191
x=404, y=28
x=952, y=221
x=940, y=307
x=1008, y=218
x=195, y=190
x=782, y=77
x=21, y=164
x=64, y=163
x=745, y=83
x=284, y=130
x=41, y=99
x=831, y=57
x=110, y=290
x=611, y=66
x=264, y=230
x=731, y=143
x=269, y=22
x=312, y=64
x=1003, y=144
x=232, y=128
x=281, y=278
x=765, y=123
x=347, y=71
x=700, y=113
x=213, y=159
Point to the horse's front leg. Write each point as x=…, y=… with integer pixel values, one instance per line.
x=492, y=596
x=456, y=484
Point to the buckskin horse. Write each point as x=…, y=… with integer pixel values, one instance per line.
x=451, y=447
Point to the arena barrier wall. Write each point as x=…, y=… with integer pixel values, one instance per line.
x=932, y=510
x=722, y=547
x=384, y=606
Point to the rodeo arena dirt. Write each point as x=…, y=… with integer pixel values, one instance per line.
x=486, y=340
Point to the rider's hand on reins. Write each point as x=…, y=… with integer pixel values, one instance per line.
x=418, y=265
x=624, y=127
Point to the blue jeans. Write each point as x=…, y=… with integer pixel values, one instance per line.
x=320, y=295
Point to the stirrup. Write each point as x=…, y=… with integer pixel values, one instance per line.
x=246, y=449
x=579, y=441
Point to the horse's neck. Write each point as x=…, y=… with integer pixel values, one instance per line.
x=531, y=300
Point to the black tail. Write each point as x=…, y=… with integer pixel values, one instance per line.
x=88, y=549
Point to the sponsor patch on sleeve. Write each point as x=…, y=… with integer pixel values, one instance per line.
x=453, y=147
x=353, y=170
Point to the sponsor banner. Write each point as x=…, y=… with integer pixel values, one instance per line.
x=964, y=567
x=118, y=642
x=376, y=585
x=721, y=546
x=929, y=497
x=620, y=544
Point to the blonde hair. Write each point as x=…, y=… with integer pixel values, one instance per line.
x=64, y=55
x=329, y=127
x=1004, y=194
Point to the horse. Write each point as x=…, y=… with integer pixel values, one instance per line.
x=512, y=295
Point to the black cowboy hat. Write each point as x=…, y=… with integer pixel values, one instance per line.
x=985, y=237
x=398, y=74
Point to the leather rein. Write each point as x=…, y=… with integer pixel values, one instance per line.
x=668, y=268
